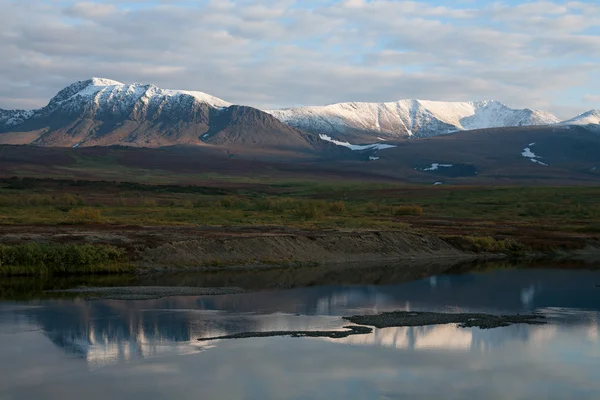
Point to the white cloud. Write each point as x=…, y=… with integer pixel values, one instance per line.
x=286, y=52
x=592, y=98
x=91, y=10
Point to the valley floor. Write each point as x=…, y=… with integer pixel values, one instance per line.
x=64, y=227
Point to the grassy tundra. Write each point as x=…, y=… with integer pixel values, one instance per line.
x=478, y=219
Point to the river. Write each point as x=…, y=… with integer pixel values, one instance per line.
x=72, y=348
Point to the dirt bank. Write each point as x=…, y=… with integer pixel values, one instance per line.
x=218, y=251
x=172, y=248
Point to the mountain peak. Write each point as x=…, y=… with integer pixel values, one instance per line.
x=104, y=91
x=104, y=82
x=591, y=117
x=408, y=118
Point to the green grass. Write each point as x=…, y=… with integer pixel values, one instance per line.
x=301, y=204
x=61, y=259
x=480, y=219
x=37, y=202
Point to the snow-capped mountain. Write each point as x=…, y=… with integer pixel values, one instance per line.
x=100, y=98
x=104, y=112
x=98, y=95
x=591, y=117
x=408, y=118
x=14, y=117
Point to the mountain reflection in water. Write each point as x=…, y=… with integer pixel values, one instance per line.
x=107, y=332
x=73, y=349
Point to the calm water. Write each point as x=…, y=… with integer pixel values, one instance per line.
x=73, y=349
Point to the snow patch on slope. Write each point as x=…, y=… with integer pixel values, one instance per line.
x=356, y=146
x=527, y=153
x=436, y=166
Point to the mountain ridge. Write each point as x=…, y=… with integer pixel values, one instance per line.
x=409, y=118
x=101, y=111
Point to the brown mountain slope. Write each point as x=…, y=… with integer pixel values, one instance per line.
x=100, y=112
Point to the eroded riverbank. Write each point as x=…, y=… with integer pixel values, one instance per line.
x=143, y=250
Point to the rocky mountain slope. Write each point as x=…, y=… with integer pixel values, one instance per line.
x=105, y=112
x=10, y=118
x=408, y=118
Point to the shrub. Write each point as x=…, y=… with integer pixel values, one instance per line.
x=275, y=205
x=337, y=207
x=85, y=216
x=227, y=202
x=407, y=210
x=281, y=205
x=40, y=200
x=203, y=202
x=43, y=258
x=187, y=204
x=66, y=199
x=488, y=244
x=371, y=207
x=148, y=203
x=309, y=209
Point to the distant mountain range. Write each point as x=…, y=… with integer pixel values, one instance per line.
x=408, y=118
x=103, y=112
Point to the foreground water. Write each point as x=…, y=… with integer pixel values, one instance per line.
x=73, y=349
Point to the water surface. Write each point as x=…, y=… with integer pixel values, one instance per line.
x=72, y=348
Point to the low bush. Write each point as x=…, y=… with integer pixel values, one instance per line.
x=45, y=258
x=488, y=244
x=146, y=202
x=85, y=216
x=371, y=207
x=399, y=211
x=227, y=202
x=309, y=209
x=337, y=207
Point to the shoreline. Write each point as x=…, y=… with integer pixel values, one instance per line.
x=172, y=250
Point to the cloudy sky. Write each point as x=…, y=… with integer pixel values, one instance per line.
x=279, y=53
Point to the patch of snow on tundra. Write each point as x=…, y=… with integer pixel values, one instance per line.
x=527, y=153
x=437, y=183
x=356, y=146
x=436, y=166
x=371, y=158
